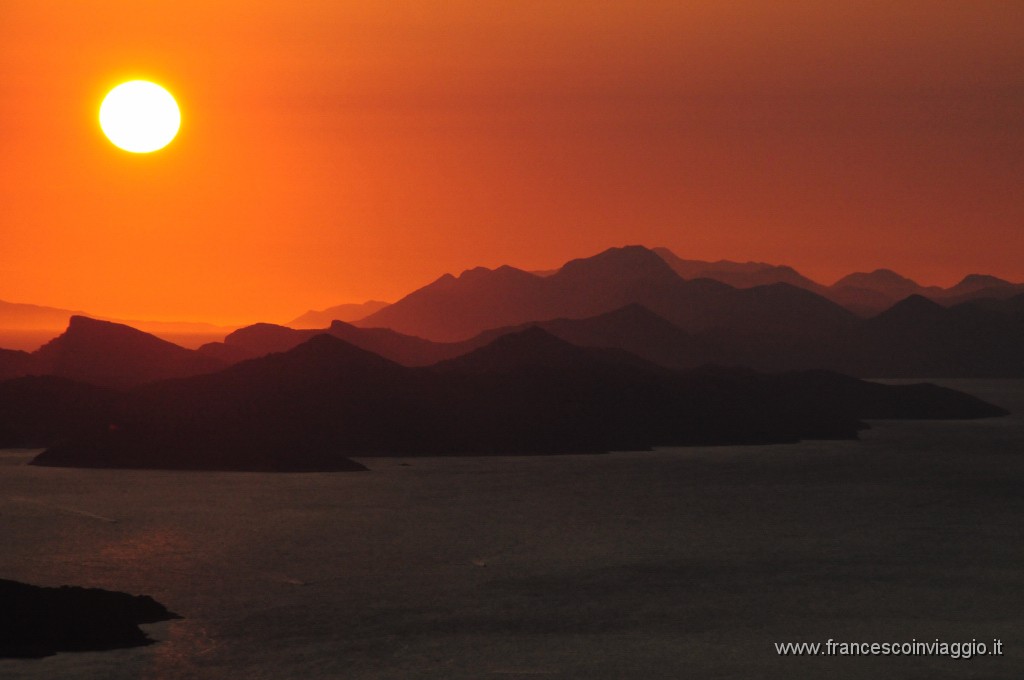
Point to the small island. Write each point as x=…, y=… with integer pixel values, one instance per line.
x=36, y=622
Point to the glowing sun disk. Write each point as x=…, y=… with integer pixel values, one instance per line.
x=139, y=116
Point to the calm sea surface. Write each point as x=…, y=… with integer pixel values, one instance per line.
x=681, y=563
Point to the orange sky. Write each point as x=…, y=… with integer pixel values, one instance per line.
x=336, y=151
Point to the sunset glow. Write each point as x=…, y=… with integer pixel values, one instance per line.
x=342, y=152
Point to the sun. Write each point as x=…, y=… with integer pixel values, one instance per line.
x=139, y=116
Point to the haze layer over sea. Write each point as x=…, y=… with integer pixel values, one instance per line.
x=665, y=564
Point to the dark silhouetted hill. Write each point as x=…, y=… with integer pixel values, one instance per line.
x=263, y=338
x=408, y=350
x=919, y=337
x=525, y=393
x=911, y=311
x=225, y=353
x=973, y=283
x=633, y=328
x=536, y=348
x=115, y=355
x=38, y=411
x=14, y=363
x=256, y=415
x=36, y=622
x=349, y=312
x=1009, y=307
x=979, y=287
x=861, y=301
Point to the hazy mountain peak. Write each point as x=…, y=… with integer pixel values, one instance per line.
x=474, y=273
x=532, y=347
x=626, y=261
x=346, y=312
x=531, y=339
x=913, y=308
x=338, y=324
x=80, y=320
x=324, y=351
x=260, y=330
x=973, y=282
x=116, y=355
x=504, y=272
x=881, y=279
x=631, y=254
x=736, y=274
x=84, y=328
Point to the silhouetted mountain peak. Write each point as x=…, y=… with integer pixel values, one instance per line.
x=77, y=321
x=736, y=274
x=345, y=312
x=264, y=338
x=884, y=280
x=914, y=308
x=975, y=282
x=327, y=347
x=627, y=260
x=446, y=280
x=532, y=347
x=85, y=330
x=258, y=327
x=888, y=274
x=321, y=358
x=113, y=354
x=504, y=273
x=474, y=273
x=338, y=325
x=531, y=339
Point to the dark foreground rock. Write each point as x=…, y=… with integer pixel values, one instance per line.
x=37, y=622
x=237, y=450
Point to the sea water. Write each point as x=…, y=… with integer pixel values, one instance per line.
x=673, y=563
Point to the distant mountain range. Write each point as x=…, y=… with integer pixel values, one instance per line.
x=348, y=312
x=17, y=316
x=615, y=351
x=528, y=296
x=700, y=296
x=626, y=298
x=26, y=327
x=452, y=309
x=107, y=354
x=526, y=392
x=737, y=274
x=916, y=337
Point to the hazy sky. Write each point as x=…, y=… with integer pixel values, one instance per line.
x=337, y=151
